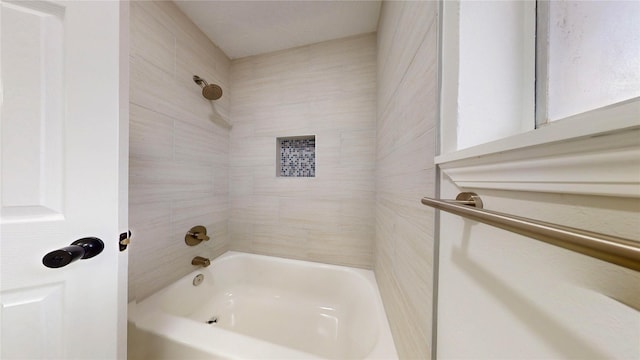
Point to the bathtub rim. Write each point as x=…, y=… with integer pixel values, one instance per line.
x=151, y=319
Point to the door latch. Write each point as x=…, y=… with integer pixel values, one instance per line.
x=125, y=239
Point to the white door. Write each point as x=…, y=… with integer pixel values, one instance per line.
x=61, y=179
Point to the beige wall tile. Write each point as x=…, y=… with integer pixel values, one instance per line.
x=151, y=134
x=327, y=90
x=152, y=40
x=277, y=240
x=407, y=85
x=179, y=158
x=242, y=234
x=257, y=209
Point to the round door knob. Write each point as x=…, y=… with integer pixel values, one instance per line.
x=84, y=248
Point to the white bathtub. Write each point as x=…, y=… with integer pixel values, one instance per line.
x=266, y=307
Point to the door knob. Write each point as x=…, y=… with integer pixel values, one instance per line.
x=84, y=248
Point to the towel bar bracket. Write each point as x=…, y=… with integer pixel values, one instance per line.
x=470, y=199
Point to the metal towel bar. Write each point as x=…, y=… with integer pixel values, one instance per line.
x=613, y=249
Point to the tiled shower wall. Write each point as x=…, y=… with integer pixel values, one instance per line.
x=407, y=93
x=186, y=169
x=327, y=90
x=178, y=153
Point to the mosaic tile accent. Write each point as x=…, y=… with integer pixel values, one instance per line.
x=297, y=156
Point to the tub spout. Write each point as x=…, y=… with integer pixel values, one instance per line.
x=200, y=261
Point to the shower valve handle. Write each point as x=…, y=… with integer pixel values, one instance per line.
x=200, y=236
x=196, y=235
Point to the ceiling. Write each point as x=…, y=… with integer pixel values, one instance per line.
x=244, y=28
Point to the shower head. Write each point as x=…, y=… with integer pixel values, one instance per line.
x=209, y=91
x=212, y=92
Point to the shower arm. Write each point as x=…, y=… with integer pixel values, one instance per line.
x=198, y=80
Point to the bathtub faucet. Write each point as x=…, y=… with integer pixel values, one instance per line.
x=200, y=261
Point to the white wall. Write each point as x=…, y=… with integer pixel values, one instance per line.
x=503, y=295
x=489, y=70
x=598, y=38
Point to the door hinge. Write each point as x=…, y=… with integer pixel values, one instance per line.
x=125, y=239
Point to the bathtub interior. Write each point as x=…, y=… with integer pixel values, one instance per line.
x=324, y=310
